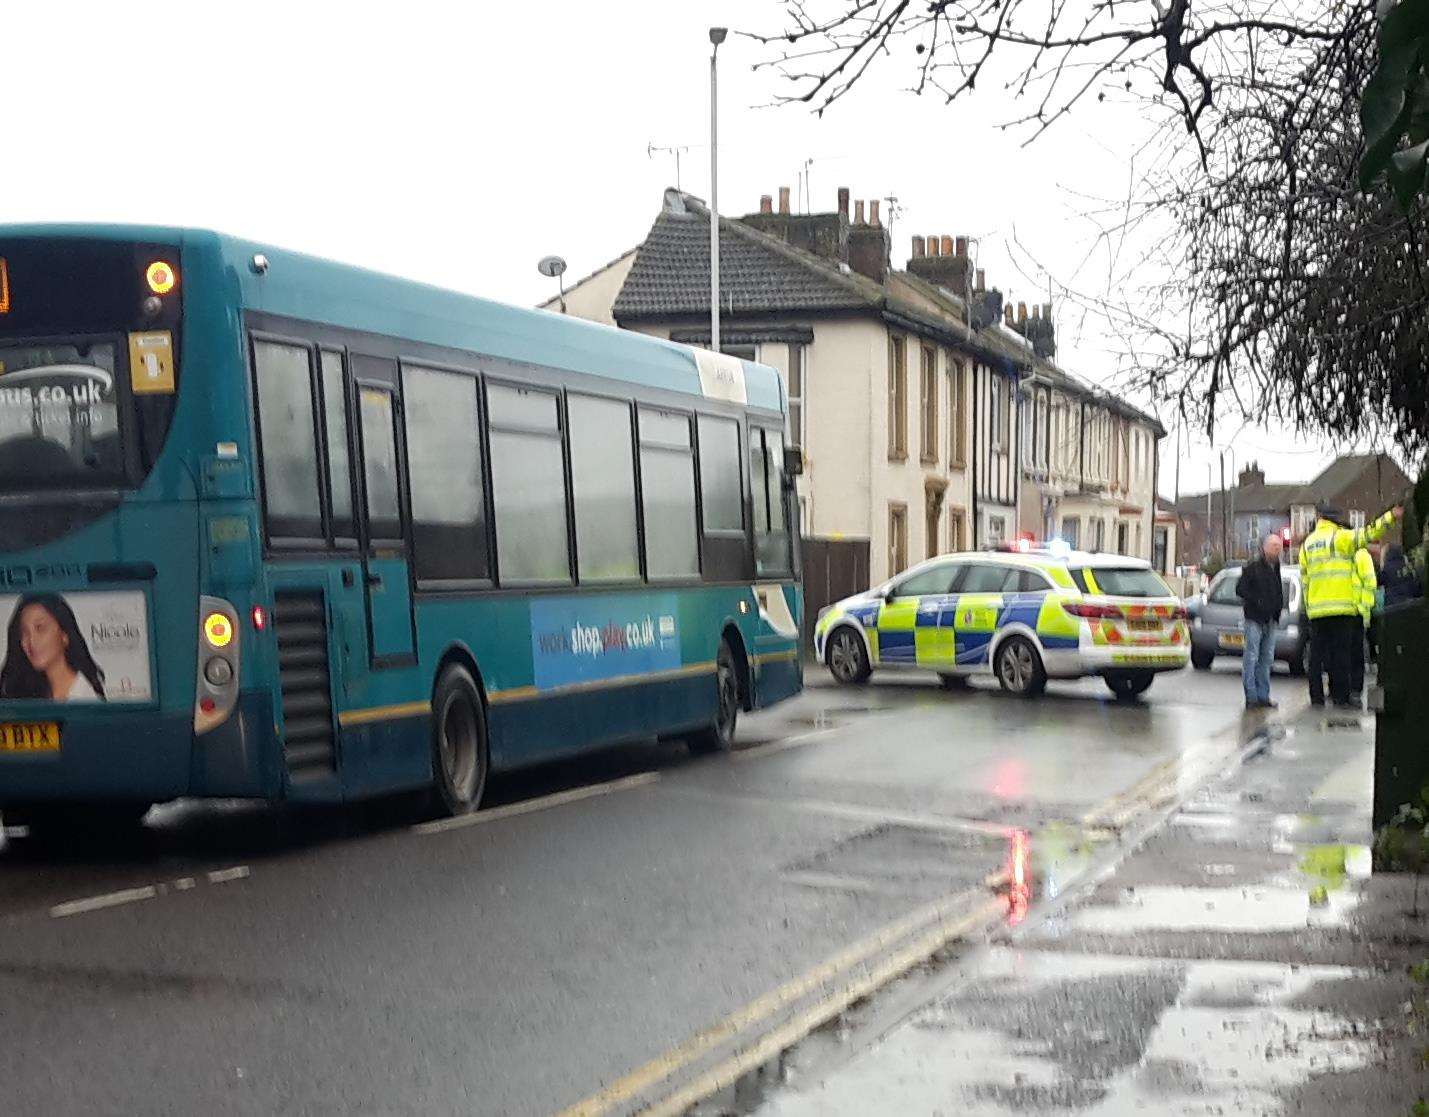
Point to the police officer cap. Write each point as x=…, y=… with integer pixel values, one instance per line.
x=1334, y=515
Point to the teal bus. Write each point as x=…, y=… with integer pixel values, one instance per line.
x=280, y=528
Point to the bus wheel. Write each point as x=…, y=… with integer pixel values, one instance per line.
x=719, y=736
x=459, y=754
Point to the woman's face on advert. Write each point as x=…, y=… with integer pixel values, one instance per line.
x=41, y=637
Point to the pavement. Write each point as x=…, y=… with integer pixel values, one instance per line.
x=629, y=932
x=1241, y=961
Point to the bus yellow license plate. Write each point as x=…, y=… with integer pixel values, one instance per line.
x=34, y=736
x=1232, y=639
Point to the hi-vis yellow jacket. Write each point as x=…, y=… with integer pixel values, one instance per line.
x=1366, y=583
x=1327, y=566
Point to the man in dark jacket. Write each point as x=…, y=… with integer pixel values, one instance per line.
x=1262, y=598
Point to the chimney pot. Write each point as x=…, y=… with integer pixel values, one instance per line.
x=1047, y=311
x=981, y=280
x=947, y=246
x=962, y=246
x=858, y=212
x=1022, y=312
x=873, y=212
x=1007, y=314
x=1036, y=313
x=932, y=246
x=917, y=248
x=766, y=204
x=783, y=199
x=843, y=202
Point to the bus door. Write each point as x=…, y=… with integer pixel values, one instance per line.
x=386, y=553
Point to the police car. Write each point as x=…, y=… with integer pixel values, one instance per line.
x=1024, y=615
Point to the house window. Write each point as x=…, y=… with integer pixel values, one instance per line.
x=957, y=529
x=749, y=352
x=1072, y=531
x=932, y=518
x=1121, y=534
x=957, y=414
x=1098, y=535
x=999, y=403
x=897, y=538
x=898, y=399
x=928, y=389
x=1159, y=548
x=795, y=429
x=996, y=529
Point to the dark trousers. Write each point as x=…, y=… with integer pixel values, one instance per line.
x=1333, y=641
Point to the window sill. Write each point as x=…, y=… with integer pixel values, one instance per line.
x=896, y=456
x=926, y=460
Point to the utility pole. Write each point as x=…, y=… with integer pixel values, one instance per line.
x=1225, y=527
x=717, y=36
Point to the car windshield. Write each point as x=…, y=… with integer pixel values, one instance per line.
x=1132, y=581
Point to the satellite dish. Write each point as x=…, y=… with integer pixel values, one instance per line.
x=551, y=266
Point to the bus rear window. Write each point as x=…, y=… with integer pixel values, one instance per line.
x=1133, y=581
x=59, y=416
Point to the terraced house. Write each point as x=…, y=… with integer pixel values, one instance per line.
x=907, y=387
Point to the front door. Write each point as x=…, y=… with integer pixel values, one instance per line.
x=386, y=565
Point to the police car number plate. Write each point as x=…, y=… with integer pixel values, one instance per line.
x=32, y=736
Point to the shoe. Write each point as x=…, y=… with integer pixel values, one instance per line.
x=1270, y=704
x=1347, y=706
x=1319, y=702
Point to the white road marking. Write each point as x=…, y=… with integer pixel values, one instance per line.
x=145, y=892
x=531, y=805
x=108, y=900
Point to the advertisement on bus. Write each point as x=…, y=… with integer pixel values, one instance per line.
x=90, y=646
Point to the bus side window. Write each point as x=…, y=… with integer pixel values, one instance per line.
x=445, y=472
x=528, y=482
x=667, y=477
x=379, y=464
x=725, y=545
x=287, y=435
x=339, y=462
x=603, y=480
x=773, y=552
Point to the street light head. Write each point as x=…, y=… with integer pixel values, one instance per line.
x=717, y=34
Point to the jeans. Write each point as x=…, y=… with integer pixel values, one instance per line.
x=1259, y=657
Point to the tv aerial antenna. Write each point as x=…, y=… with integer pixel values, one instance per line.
x=653, y=149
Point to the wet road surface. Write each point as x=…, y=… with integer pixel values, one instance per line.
x=1225, y=968
x=237, y=958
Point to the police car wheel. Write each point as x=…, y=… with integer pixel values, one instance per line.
x=847, y=659
x=1126, y=685
x=1019, y=668
x=1202, y=661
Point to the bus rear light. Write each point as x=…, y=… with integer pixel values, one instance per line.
x=260, y=618
x=218, y=630
x=161, y=277
x=216, y=680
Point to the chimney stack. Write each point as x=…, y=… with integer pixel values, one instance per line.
x=981, y=280
x=1007, y=315
x=917, y=248
x=766, y=204
x=947, y=246
x=932, y=246
x=1047, y=311
x=1036, y=313
x=843, y=202
x=783, y=199
x=1021, y=314
x=858, y=212
x=873, y=212
x=962, y=246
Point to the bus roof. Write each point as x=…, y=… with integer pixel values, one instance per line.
x=314, y=289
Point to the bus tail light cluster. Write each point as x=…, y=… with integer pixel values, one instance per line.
x=219, y=642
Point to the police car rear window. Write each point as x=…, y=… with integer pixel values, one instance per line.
x=1122, y=582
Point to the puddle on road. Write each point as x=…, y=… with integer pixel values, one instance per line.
x=1033, y=1032
x=1256, y=909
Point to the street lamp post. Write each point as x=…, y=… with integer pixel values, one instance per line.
x=717, y=36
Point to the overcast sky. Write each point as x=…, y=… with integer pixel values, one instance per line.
x=458, y=144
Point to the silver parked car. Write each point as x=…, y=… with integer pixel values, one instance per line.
x=1216, y=622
